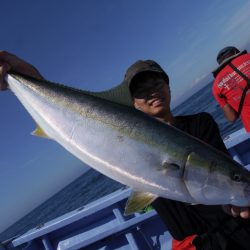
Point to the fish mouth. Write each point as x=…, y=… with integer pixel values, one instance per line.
x=247, y=191
x=243, y=199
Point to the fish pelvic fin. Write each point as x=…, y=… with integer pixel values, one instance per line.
x=40, y=133
x=138, y=201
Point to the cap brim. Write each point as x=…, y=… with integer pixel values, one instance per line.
x=142, y=71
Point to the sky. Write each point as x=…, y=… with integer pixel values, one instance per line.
x=89, y=45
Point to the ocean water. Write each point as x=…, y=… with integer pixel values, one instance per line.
x=203, y=101
x=92, y=185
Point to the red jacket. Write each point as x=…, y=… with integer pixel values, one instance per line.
x=228, y=87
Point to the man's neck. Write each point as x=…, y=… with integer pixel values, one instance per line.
x=169, y=119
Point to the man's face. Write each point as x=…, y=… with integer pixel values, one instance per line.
x=152, y=97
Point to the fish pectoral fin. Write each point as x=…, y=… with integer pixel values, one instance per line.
x=138, y=201
x=39, y=132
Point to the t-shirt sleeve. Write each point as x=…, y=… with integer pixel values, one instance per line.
x=221, y=101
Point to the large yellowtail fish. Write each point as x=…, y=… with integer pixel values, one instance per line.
x=155, y=159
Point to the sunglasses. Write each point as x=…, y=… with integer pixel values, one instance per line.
x=142, y=91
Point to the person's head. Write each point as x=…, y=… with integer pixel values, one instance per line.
x=149, y=88
x=226, y=53
x=225, y=56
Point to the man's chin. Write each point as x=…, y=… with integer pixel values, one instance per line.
x=160, y=112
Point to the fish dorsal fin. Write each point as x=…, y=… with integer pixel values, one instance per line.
x=138, y=201
x=39, y=132
x=118, y=94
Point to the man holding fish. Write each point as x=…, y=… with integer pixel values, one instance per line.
x=193, y=226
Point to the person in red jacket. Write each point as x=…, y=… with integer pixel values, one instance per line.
x=232, y=83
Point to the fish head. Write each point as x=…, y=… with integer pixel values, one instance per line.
x=217, y=180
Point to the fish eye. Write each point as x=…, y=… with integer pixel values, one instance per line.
x=236, y=177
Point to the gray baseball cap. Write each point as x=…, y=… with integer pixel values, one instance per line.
x=144, y=66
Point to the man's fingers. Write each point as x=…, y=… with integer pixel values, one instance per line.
x=235, y=211
x=245, y=213
x=3, y=54
x=17, y=65
x=4, y=68
x=242, y=212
